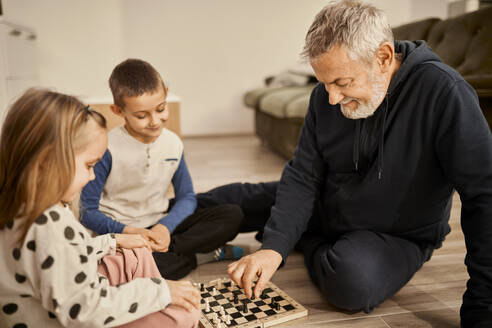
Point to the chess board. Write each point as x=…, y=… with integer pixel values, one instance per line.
x=260, y=312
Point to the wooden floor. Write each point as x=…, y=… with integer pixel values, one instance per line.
x=431, y=299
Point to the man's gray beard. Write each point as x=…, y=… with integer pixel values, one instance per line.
x=362, y=111
x=365, y=110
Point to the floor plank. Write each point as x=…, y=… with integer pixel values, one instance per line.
x=350, y=323
x=446, y=318
x=430, y=299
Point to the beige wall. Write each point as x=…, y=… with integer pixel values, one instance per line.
x=78, y=41
x=421, y=9
x=210, y=52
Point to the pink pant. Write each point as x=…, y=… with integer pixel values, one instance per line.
x=129, y=264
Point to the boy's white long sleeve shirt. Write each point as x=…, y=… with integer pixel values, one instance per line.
x=131, y=184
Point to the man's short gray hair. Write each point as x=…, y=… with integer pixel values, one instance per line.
x=360, y=27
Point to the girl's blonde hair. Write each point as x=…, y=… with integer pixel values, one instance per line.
x=40, y=136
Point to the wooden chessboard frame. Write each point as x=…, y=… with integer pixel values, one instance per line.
x=269, y=321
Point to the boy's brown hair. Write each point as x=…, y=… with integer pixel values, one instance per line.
x=133, y=78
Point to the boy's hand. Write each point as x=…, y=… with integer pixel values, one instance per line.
x=164, y=236
x=148, y=234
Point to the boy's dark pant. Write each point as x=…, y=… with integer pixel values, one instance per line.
x=357, y=271
x=254, y=199
x=204, y=231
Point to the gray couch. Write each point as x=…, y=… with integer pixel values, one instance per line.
x=463, y=42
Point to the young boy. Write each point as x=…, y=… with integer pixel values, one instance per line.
x=142, y=160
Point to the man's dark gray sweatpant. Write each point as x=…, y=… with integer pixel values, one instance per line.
x=361, y=269
x=357, y=271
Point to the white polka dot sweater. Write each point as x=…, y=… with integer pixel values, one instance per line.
x=51, y=280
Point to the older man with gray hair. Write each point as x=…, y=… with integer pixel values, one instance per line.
x=389, y=135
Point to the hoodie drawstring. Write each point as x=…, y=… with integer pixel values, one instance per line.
x=381, y=141
x=355, y=155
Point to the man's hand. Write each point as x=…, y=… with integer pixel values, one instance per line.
x=131, y=241
x=184, y=294
x=152, y=237
x=262, y=263
x=164, y=237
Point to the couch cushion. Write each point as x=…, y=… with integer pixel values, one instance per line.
x=482, y=83
x=298, y=107
x=415, y=31
x=252, y=98
x=275, y=102
x=464, y=42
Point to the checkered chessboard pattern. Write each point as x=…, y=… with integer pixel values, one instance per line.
x=260, y=312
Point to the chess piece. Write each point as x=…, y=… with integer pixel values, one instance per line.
x=252, y=293
x=202, y=289
x=218, y=316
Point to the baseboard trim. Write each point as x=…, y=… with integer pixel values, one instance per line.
x=218, y=135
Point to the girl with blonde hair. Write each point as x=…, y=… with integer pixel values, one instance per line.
x=49, y=145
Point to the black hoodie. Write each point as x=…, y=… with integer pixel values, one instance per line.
x=395, y=172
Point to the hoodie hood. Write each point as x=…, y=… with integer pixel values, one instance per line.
x=413, y=53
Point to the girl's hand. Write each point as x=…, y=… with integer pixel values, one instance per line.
x=184, y=294
x=131, y=241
